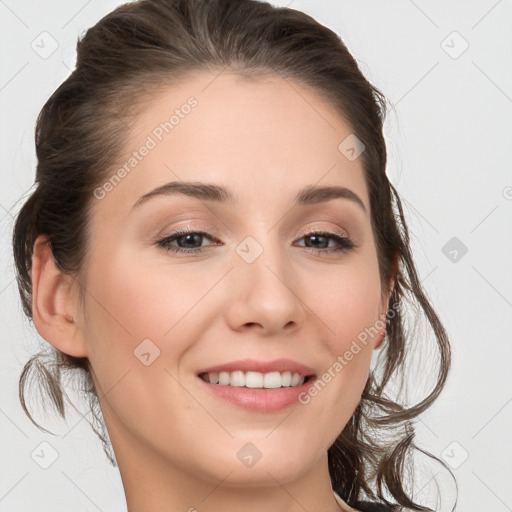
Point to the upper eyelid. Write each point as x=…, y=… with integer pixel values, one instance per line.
x=329, y=231
x=345, y=244
x=190, y=229
x=213, y=234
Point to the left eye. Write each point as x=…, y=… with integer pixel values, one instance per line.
x=320, y=241
x=191, y=241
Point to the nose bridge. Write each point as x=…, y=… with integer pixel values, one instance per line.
x=264, y=286
x=264, y=260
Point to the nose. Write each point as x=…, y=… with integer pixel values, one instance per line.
x=266, y=295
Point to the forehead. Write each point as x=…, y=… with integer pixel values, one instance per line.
x=265, y=137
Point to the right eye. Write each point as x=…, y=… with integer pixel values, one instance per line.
x=184, y=238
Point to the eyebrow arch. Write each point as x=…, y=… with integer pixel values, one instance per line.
x=313, y=195
x=216, y=193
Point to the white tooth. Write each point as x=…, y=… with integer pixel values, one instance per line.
x=238, y=379
x=254, y=379
x=295, y=379
x=224, y=378
x=272, y=380
x=286, y=379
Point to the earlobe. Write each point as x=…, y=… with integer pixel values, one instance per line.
x=382, y=322
x=54, y=306
x=381, y=327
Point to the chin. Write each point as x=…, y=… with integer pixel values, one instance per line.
x=261, y=462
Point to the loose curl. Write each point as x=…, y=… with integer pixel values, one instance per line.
x=148, y=45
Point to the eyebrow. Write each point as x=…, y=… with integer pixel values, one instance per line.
x=216, y=193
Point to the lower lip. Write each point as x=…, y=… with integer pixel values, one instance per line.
x=261, y=400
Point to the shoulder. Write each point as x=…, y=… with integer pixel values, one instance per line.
x=369, y=506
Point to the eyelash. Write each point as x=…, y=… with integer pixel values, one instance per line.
x=345, y=243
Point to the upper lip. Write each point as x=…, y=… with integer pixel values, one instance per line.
x=254, y=365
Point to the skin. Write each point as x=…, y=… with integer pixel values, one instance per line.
x=176, y=444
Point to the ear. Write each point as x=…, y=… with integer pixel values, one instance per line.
x=54, y=302
x=384, y=304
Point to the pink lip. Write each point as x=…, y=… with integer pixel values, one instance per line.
x=261, y=400
x=253, y=365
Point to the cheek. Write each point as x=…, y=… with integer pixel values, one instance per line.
x=131, y=300
x=135, y=333
x=142, y=298
x=347, y=301
x=347, y=304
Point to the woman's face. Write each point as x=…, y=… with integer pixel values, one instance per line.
x=257, y=294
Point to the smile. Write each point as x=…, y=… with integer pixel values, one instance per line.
x=258, y=385
x=251, y=379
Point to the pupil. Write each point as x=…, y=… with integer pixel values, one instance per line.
x=317, y=237
x=191, y=236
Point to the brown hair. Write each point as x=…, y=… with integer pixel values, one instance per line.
x=150, y=44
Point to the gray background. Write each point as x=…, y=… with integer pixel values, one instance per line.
x=450, y=155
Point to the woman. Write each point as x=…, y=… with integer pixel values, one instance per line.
x=214, y=247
